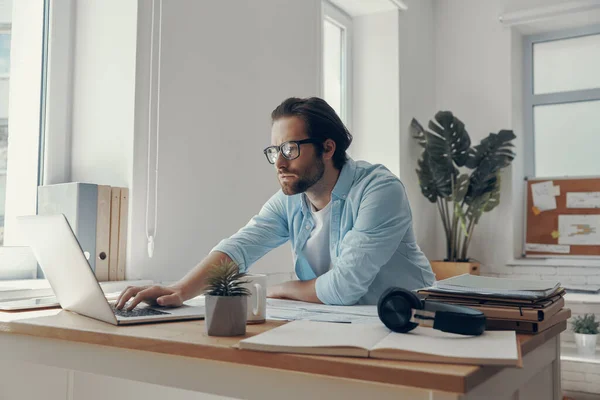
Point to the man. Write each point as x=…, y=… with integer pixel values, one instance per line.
x=349, y=222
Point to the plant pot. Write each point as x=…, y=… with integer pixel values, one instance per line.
x=586, y=344
x=226, y=315
x=448, y=269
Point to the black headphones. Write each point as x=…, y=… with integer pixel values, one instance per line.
x=402, y=311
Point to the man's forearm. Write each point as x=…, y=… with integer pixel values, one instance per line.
x=194, y=282
x=295, y=290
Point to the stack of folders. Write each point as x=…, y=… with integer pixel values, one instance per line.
x=508, y=304
x=98, y=216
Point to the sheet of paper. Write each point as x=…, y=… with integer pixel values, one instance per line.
x=367, y=311
x=548, y=248
x=302, y=315
x=583, y=200
x=557, y=190
x=318, y=334
x=543, y=195
x=579, y=230
x=492, y=344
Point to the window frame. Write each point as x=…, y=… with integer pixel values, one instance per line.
x=531, y=100
x=338, y=17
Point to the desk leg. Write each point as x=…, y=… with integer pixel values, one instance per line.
x=556, y=375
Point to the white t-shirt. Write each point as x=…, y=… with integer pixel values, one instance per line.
x=316, y=249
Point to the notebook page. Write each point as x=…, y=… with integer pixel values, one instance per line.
x=492, y=345
x=312, y=334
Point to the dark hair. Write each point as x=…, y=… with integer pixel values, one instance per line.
x=321, y=123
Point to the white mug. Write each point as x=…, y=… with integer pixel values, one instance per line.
x=257, y=301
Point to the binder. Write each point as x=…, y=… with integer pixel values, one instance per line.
x=489, y=298
x=493, y=324
x=103, y=233
x=113, y=258
x=123, y=216
x=473, y=285
x=513, y=311
x=79, y=204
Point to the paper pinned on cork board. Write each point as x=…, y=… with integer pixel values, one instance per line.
x=579, y=230
x=583, y=200
x=544, y=195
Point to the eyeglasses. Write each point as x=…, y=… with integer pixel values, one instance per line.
x=289, y=150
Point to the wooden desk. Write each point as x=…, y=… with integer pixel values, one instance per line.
x=94, y=360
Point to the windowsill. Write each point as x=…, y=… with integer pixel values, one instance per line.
x=569, y=353
x=553, y=262
x=583, y=298
x=31, y=288
x=24, y=284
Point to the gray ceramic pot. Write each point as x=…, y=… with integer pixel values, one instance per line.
x=226, y=315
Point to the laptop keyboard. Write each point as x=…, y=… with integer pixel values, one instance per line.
x=136, y=312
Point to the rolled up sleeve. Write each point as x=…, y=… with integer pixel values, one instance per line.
x=383, y=219
x=264, y=232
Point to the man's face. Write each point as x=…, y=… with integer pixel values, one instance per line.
x=296, y=176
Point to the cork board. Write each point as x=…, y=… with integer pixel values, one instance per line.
x=558, y=229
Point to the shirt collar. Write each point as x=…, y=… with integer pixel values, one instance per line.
x=345, y=180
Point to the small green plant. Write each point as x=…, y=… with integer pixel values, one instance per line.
x=225, y=279
x=586, y=324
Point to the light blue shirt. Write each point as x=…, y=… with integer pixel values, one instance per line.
x=372, y=243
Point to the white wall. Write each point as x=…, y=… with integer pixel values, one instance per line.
x=417, y=100
x=376, y=89
x=225, y=66
x=104, y=92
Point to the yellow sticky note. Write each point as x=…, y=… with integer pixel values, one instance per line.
x=536, y=211
x=555, y=234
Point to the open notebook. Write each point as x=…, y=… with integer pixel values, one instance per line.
x=376, y=341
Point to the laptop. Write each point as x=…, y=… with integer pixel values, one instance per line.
x=61, y=258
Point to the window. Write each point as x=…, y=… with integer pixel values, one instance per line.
x=562, y=103
x=337, y=39
x=23, y=56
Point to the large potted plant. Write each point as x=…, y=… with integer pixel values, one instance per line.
x=462, y=180
x=226, y=301
x=585, y=328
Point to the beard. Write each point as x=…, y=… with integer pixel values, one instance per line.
x=305, y=179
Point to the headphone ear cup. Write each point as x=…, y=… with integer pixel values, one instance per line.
x=395, y=309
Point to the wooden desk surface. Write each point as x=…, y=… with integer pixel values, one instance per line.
x=190, y=340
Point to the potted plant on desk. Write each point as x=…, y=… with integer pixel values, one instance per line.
x=463, y=181
x=586, y=333
x=226, y=301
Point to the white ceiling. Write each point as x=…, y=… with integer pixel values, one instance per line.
x=356, y=8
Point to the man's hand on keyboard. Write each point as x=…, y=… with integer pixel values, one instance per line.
x=153, y=295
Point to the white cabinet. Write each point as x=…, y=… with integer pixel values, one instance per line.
x=97, y=387
x=25, y=381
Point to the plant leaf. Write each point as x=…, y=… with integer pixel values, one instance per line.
x=417, y=132
x=225, y=279
x=449, y=139
x=435, y=179
x=460, y=187
x=496, y=149
x=494, y=199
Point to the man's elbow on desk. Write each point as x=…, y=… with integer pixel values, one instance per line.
x=307, y=291
x=295, y=290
